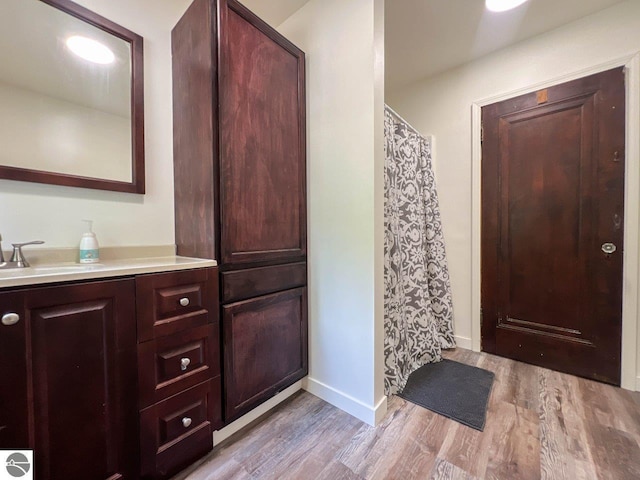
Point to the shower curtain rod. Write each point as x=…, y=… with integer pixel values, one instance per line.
x=397, y=115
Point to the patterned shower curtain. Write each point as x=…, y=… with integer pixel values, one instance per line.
x=417, y=297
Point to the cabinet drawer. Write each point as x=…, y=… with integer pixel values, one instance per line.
x=252, y=282
x=178, y=430
x=265, y=348
x=169, y=365
x=170, y=302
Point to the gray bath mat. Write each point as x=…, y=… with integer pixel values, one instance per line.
x=453, y=389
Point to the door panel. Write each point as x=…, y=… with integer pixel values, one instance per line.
x=262, y=146
x=553, y=193
x=84, y=373
x=265, y=348
x=14, y=418
x=545, y=214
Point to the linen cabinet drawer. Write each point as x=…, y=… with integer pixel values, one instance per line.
x=170, y=302
x=252, y=282
x=179, y=430
x=169, y=365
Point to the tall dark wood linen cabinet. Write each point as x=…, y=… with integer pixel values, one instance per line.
x=240, y=189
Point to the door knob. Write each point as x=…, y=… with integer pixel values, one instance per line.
x=9, y=319
x=608, y=248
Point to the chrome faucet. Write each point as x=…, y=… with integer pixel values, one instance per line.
x=17, y=259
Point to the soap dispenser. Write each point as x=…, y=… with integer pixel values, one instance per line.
x=89, y=250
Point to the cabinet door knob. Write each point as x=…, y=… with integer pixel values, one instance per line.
x=184, y=363
x=186, y=421
x=10, y=319
x=184, y=301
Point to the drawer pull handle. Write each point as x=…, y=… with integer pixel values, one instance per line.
x=184, y=363
x=9, y=319
x=186, y=421
x=184, y=302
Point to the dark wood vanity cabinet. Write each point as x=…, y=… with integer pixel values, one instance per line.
x=240, y=189
x=112, y=379
x=179, y=368
x=14, y=412
x=68, y=370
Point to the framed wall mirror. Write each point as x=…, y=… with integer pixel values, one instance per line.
x=71, y=97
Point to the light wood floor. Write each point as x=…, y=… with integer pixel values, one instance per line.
x=540, y=424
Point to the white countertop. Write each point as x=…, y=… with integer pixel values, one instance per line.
x=70, y=271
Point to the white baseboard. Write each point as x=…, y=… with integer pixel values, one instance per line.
x=463, y=342
x=368, y=414
x=380, y=409
x=237, y=425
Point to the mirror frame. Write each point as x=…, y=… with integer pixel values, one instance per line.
x=137, y=184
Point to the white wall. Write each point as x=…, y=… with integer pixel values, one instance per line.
x=53, y=213
x=46, y=133
x=441, y=106
x=343, y=40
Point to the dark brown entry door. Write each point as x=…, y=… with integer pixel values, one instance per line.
x=552, y=226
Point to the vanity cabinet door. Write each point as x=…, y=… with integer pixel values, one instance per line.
x=83, y=344
x=14, y=420
x=265, y=348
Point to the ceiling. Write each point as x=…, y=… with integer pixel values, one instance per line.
x=422, y=38
x=34, y=57
x=426, y=37
x=274, y=12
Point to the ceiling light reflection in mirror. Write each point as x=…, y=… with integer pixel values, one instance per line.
x=61, y=113
x=503, y=5
x=91, y=50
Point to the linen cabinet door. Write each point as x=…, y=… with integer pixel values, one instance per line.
x=14, y=420
x=262, y=141
x=265, y=348
x=83, y=342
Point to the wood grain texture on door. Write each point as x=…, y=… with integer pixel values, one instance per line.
x=262, y=141
x=552, y=195
x=83, y=340
x=265, y=342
